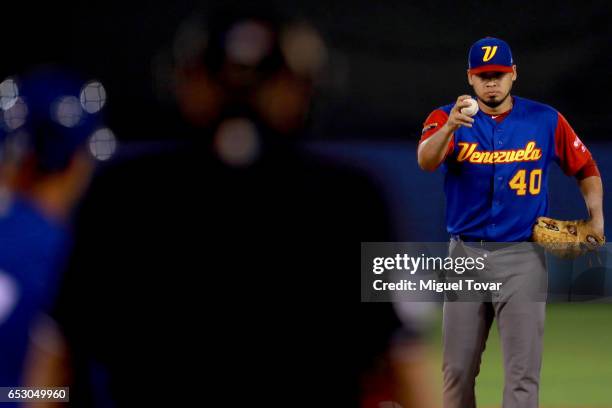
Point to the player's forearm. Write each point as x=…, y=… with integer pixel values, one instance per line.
x=432, y=151
x=592, y=191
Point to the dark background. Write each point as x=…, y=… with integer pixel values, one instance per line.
x=183, y=263
x=390, y=63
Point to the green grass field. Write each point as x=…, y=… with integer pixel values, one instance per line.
x=577, y=363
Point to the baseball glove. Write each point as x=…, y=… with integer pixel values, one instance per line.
x=566, y=239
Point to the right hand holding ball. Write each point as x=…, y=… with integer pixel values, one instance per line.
x=462, y=112
x=472, y=109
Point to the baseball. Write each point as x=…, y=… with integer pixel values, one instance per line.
x=472, y=109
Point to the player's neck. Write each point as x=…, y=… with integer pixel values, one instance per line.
x=505, y=106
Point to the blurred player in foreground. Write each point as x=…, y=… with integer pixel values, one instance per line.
x=45, y=168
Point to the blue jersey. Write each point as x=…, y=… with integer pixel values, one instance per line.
x=496, y=173
x=32, y=250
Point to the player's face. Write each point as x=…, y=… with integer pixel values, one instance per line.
x=492, y=88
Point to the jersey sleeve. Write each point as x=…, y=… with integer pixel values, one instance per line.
x=571, y=154
x=588, y=170
x=432, y=124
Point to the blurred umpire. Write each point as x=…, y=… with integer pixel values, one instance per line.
x=222, y=265
x=45, y=168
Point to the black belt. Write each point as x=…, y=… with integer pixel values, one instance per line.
x=493, y=245
x=466, y=238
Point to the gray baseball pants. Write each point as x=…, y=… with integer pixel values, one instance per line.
x=520, y=321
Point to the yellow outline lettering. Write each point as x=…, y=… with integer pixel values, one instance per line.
x=489, y=52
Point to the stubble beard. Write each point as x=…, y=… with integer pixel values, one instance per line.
x=494, y=103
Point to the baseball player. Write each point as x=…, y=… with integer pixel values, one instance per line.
x=496, y=174
x=44, y=170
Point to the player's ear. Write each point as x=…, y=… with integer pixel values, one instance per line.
x=469, y=78
x=514, y=74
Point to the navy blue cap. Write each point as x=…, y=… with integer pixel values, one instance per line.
x=490, y=55
x=49, y=110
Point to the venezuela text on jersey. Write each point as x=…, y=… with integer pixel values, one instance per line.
x=469, y=153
